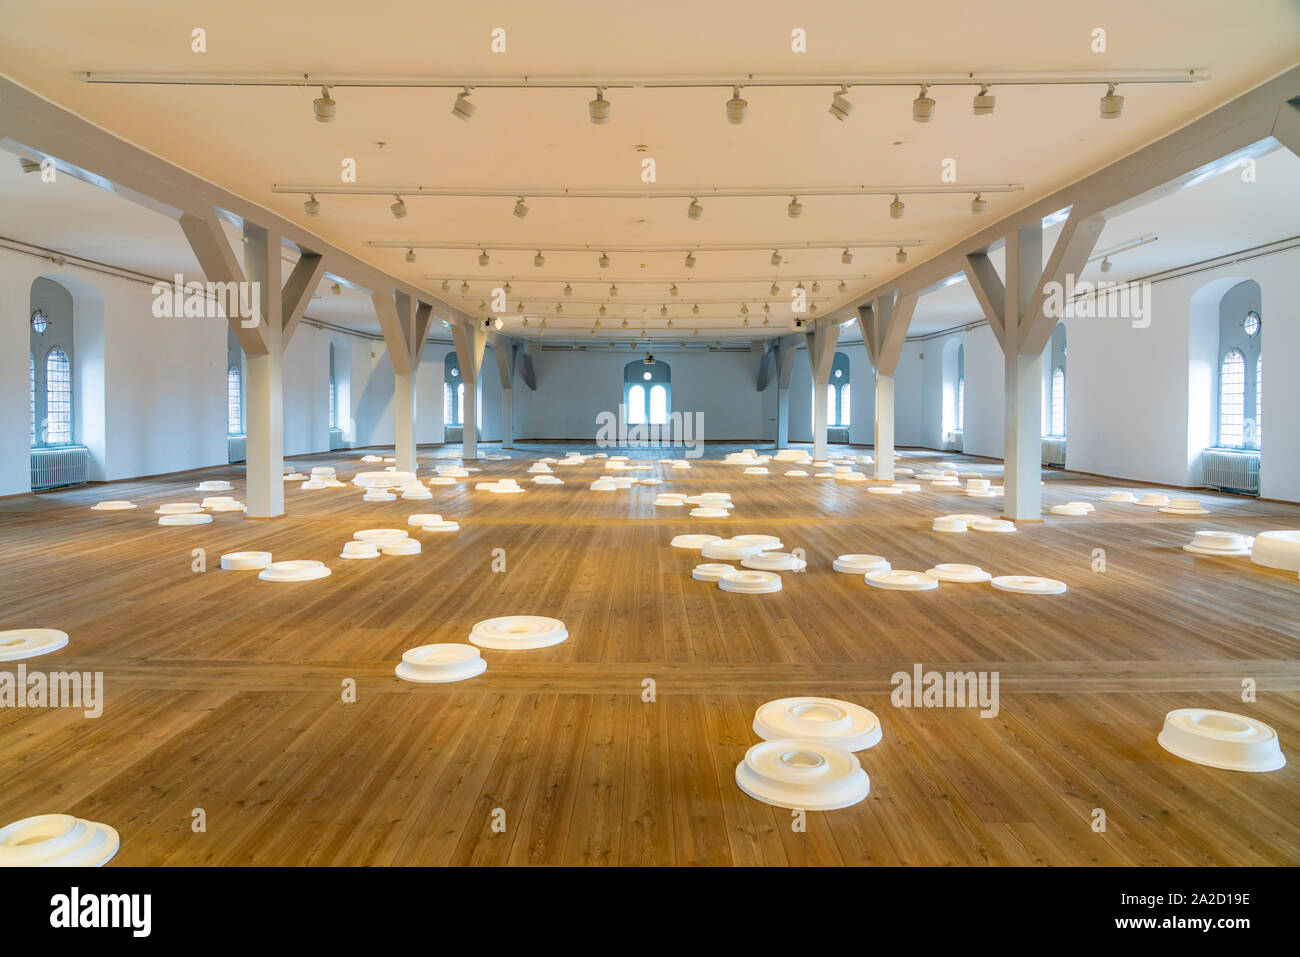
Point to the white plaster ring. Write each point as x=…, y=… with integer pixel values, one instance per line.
x=518, y=632
x=993, y=525
x=293, y=571
x=22, y=643
x=114, y=505
x=186, y=518
x=1207, y=542
x=906, y=486
x=212, y=486
x=375, y=534
x=693, y=542
x=1154, y=500
x=228, y=507
x=829, y=720
x=767, y=543
x=729, y=549
x=750, y=582
x=802, y=774
x=859, y=564
x=898, y=580
x=950, y=572
x=57, y=840
x=662, y=502
x=399, y=546
x=423, y=518
x=378, y=495
x=885, y=490
x=312, y=485
x=1068, y=510
x=1127, y=498
x=442, y=527
x=1028, y=585
x=547, y=480
x=441, y=663
x=360, y=550
x=796, y=473
x=1221, y=739
x=774, y=562
x=211, y=500
x=948, y=523
x=417, y=494
x=706, y=512
x=1279, y=548
x=245, y=561
x=711, y=571
x=442, y=480
x=178, y=508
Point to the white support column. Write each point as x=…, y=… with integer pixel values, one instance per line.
x=504, y=350
x=470, y=342
x=884, y=323
x=883, y=447
x=821, y=354
x=264, y=381
x=786, y=352
x=405, y=324
x=1023, y=418
x=404, y=399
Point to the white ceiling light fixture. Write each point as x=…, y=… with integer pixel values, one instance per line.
x=568, y=290
x=690, y=261
x=463, y=109
x=896, y=208
x=602, y=309
x=525, y=319
x=410, y=255
x=901, y=255
x=846, y=257
x=624, y=323
x=598, y=109
x=519, y=309
x=482, y=306
x=539, y=260
x=923, y=106
x=603, y=261
x=446, y=286
x=521, y=208
x=398, y=208
x=795, y=209
x=670, y=323
x=983, y=102
x=663, y=310
x=744, y=309
x=736, y=107
x=775, y=290
x=559, y=308
x=978, y=204
x=694, y=210
x=672, y=290
x=840, y=106
x=842, y=286
x=1105, y=265
x=695, y=310
x=766, y=309
x=336, y=289
x=324, y=106
x=464, y=288
x=613, y=289
x=506, y=288
x=1112, y=104
x=483, y=258
x=311, y=206
x=816, y=286
x=776, y=258
x=745, y=322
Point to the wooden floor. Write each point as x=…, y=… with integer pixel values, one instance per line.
x=225, y=693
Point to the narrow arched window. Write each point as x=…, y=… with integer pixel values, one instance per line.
x=844, y=405
x=334, y=407
x=448, y=405
x=1232, y=400
x=31, y=396
x=1058, y=402
x=1259, y=401
x=58, y=398
x=234, y=403
x=636, y=410
x=460, y=404
x=658, y=405
x=961, y=404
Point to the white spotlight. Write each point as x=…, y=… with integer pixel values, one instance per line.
x=816, y=286
x=1112, y=104
x=1105, y=265
x=690, y=261
x=464, y=289
x=483, y=259
x=604, y=261
x=672, y=290
x=901, y=255
x=736, y=107
x=311, y=206
x=599, y=108
x=398, y=208
x=846, y=257
x=336, y=289
x=775, y=290
x=520, y=308
x=923, y=106
x=602, y=309
x=795, y=208
x=766, y=310
x=559, y=308
x=613, y=290
x=978, y=204
x=744, y=309
x=663, y=310
x=410, y=255
x=568, y=290
x=896, y=208
x=695, y=210
x=521, y=208
x=446, y=286
x=840, y=106
x=842, y=286
x=463, y=109
x=982, y=104
x=695, y=310
x=539, y=260
x=776, y=258
x=324, y=106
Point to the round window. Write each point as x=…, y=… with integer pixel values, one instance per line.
x=39, y=322
x=1251, y=323
x=647, y=376
x=838, y=373
x=455, y=372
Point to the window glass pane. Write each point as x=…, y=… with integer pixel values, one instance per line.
x=830, y=406
x=636, y=405
x=58, y=398
x=31, y=396
x=460, y=404
x=961, y=404
x=1232, y=400
x=334, y=409
x=1259, y=402
x=234, y=418
x=658, y=405
x=1058, y=402
x=844, y=404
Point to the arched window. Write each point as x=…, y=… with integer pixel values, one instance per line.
x=460, y=404
x=961, y=404
x=1232, y=400
x=58, y=398
x=844, y=404
x=837, y=393
x=1259, y=400
x=334, y=407
x=658, y=405
x=1058, y=402
x=453, y=390
x=647, y=392
x=636, y=410
x=234, y=404
x=831, y=394
x=31, y=396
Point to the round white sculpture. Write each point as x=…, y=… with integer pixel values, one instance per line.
x=292, y=477
x=1154, y=500
x=709, y=512
x=853, y=477
x=518, y=632
x=828, y=720
x=693, y=542
x=977, y=485
x=375, y=534
x=547, y=480
x=992, y=525
x=245, y=561
x=858, y=564
x=384, y=479
x=715, y=496
x=57, y=840
x=212, y=486
x=1221, y=739
x=681, y=465
x=228, y=507
x=178, y=508
x=442, y=527
x=114, y=505
x=539, y=468
x=1086, y=506
x=212, y=500
x=1219, y=543
x=949, y=523
x=750, y=582
x=185, y=518
x=417, y=494
x=1127, y=498
x=829, y=475
x=949, y=572
x=502, y=488
x=323, y=471
x=1028, y=585
x=423, y=518
x=312, y=485
x=624, y=483
x=1073, y=510
x=802, y=774
x=378, y=495
x=438, y=664
x=711, y=571
x=774, y=562
x=293, y=571
x=729, y=549
x=1279, y=548
x=30, y=642
x=884, y=490
x=602, y=485
x=796, y=473
x=360, y=550
x=662, y=502
x=1184, y=506
x=767, y=543
x=372, y=458
x=898, y=580
x=399, y=546
x=755, y=470
x=906, y=486
x=651, y=481
x=442, y=480
x=907, y=473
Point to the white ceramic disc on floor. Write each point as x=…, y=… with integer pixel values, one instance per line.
x=662, y=502
x=767, y=543
x=57, y=840
x=709, y=512
x=906, y=486
x=423, y=518
x=948, y=523
x=547, y=480
x=114, y=505
x=178, y=508
x=1126, y=497
x=292, y=477
x=1086, y=506
x=885, y=490
x=419, y=495
x=729, y=549
x=1068, y=510
x=245, y=561
x=438, y=664
x=212, y=501
x=829, y=720
x=988, y=494
x=859, y=564
x=1028, y=585
x=398, y=546
x=711, y=571
x=212, y=486
x=898, y=580
x=774, y=562
x=796, y=473
x=442, y=527
x=293, y=571
x=518, y=632
x=949, y=572
x=694, y=542
x=375, y=534
x=442, y=480
x=993, y=525
x=750, y=582
x=186, y=518
x=1221, y=739
x=21, y=643
x=1153, y=500
x=228, y=507
x=378, y=495
x=312, y=485
x=1278, y=548
x=802, y=774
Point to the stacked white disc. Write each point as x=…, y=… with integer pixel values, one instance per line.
x=711, y=571
x=399, y=546
x=57, y=840
x=693, y=542
x=292, y=477
x=212, y=486
x=1154, y=500
x=293, y=571
x=667, y=500
x=437, y=664
x=885, y=490
x=20, y=643
x=114, y=505
x=378, y=495
x=949, y=523
x=359, y=550
x=1185, y=506
x=1277, y=548
x=992, y=525
x=857, y=564
x=949, y=572
x=756, y=470
x=245, y=561
x=185, y=518
x=547, y=480
x=802, y=774
x=1073, y=510
x=768, y=543
x=603, y=485
x=513, y=632
x=1221, y=739
x=798, y=456
x=774, y=562
x=729, y=549
x=1124, y=497
x=828, y=720
x=415, y=490
x=539, y=468
x=796, y=473
x=1028, y=585
x=442, y=526
x=898, y=580
x=750, y=582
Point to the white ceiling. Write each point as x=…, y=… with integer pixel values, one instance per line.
x=247, y=139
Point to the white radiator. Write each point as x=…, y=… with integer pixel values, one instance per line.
x=53, y=468
x=235, y=448
x=1232, y=471
x=1053, y=451
x=336, y=439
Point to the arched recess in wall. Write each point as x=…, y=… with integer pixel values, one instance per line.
x=343, y=428
x=1056, y=380
x=74, y=313
x=837, y=397
x=953, y=410
x=453, y=398
x=647, y=392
